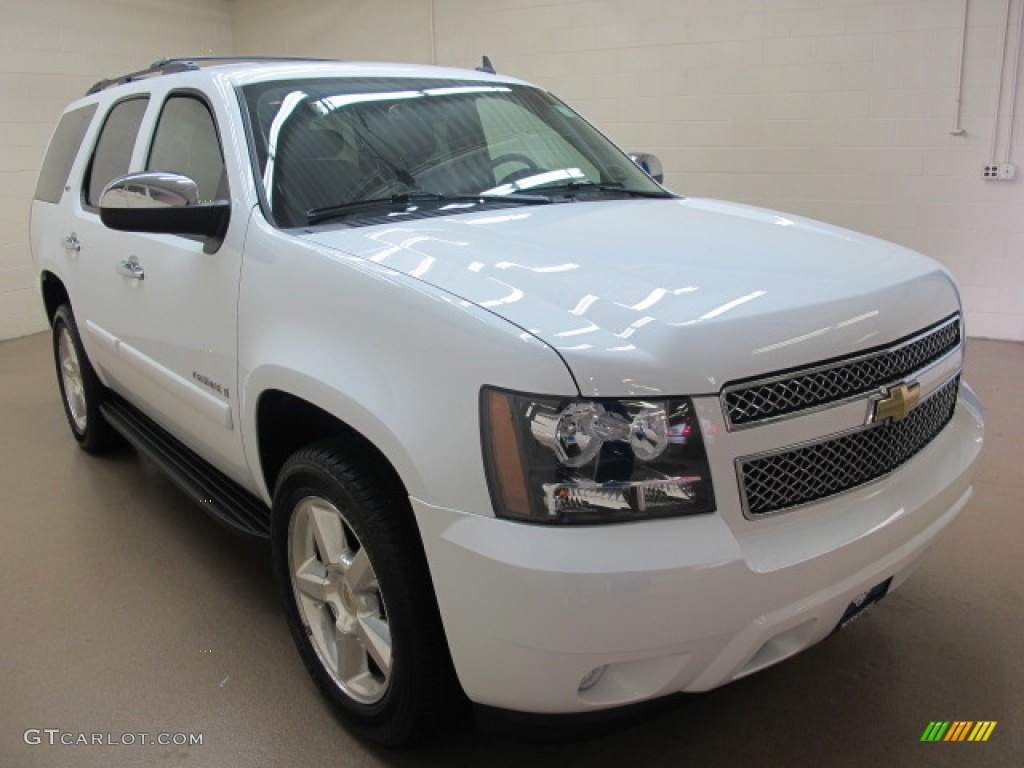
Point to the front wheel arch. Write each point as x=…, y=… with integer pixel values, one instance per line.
x=286, y=423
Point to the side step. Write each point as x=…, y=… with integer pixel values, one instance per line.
x=220, y=496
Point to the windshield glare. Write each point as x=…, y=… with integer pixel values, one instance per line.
x=322, y=143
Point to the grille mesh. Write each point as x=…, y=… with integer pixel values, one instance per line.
x=760, y=401
x=782, y=480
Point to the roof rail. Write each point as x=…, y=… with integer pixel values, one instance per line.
x=169, y=66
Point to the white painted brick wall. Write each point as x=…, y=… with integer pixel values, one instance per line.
x=396, y=30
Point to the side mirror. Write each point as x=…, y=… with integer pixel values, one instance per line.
x=163, y=203
x=649, y=164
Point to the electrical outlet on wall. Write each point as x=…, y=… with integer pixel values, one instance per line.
x=1003, y=171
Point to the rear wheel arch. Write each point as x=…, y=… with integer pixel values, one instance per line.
x=81, y=390
x=55, y=294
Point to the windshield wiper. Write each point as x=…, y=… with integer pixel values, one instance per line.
x=403, y=200
x=616, y=187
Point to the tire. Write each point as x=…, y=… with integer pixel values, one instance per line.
x=358, y=596
x=81, y=391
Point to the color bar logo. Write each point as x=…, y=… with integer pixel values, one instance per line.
x=958, y=730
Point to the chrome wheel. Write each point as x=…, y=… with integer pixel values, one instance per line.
x=71, y=379
x=339, y=600
x=358, y=593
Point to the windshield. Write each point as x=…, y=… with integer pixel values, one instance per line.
x=325, y=147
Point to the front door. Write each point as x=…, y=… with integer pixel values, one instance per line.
x=164, y=310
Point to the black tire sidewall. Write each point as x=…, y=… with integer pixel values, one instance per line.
x=387, y=720
x=96, y=434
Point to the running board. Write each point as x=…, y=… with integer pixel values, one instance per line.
x=220, y=496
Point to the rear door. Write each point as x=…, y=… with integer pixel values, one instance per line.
x=88, y=244
x=54, y=248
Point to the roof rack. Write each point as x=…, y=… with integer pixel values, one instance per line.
x=170, y=66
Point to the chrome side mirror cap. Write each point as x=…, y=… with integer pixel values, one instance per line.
x=163, y=203
x=649, y=164
x=152, y=189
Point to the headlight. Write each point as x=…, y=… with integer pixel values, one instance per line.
x=562, y=460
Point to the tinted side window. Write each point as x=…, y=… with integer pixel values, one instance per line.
x=60, y=155
x=113, y=153
x=186, y=142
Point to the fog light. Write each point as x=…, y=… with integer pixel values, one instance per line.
x=590, y=679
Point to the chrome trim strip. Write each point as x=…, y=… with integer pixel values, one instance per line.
x=842, y=363
x=740, y=461
x=214, y=409
x=941, y=371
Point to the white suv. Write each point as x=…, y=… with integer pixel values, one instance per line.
x=518, y=421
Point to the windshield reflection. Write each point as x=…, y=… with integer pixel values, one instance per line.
x=329, y=143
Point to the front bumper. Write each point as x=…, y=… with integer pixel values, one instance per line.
x=686, y=604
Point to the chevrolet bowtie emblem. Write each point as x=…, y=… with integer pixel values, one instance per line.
x=898, y=404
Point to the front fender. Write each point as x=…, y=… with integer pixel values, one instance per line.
x=395, y=358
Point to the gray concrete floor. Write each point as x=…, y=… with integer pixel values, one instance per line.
x=124, y=610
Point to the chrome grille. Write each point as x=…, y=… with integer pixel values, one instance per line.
x=799, y=476
x=810, y=388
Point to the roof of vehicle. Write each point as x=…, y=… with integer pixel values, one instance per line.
x=243, y=70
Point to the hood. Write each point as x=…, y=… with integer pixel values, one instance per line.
x=673, y=297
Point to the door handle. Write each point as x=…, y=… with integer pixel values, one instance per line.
x=71, y=243
x=131, y=268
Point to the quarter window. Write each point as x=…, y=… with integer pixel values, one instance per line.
x=113, y=154
x=186, y=142
x=62, y=152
